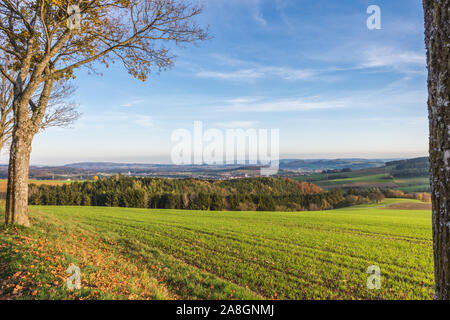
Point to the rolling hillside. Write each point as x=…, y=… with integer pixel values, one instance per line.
x=406, y=175
x=180, y=254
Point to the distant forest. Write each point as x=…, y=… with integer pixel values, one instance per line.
x=418, y=167
x=264, y=194
x=247, y=194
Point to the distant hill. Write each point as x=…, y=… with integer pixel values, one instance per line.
x=110, y=165
x=285, y=164
x=416, y=163
x=417, y=167
x=288, y=167
x=141, y=166
x=327, y=164
x=410, y=175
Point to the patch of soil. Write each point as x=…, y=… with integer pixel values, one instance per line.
x=363, y=185
x=409, y=206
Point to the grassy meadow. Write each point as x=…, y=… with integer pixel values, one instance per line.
x=367, y=178
x=127, y=253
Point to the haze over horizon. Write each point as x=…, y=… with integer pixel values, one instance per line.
x=167, y=160
x=311, y=69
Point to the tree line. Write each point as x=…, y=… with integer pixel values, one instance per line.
x=249, y=194
x=252, y=194
x=417, y=167
x=44, y=42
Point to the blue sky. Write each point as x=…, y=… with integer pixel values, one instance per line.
x=309, y=68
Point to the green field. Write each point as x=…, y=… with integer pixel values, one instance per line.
x=174, y=254
x=369, y=179
x=375, y=177
x=418, y=184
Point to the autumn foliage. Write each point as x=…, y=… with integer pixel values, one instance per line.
x=264, y=194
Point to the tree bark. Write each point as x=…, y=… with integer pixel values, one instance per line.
x=437, y=33
x=17, y=193
x=16, y=211
x=25, y=126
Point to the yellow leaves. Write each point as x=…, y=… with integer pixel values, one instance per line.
x=58, y=3
x=27, y=239
x=17, y=290
x=24, y=33
x=104, y=272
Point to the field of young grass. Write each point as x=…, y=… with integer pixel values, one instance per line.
x=375, y=177
x=171, y=254
x=366, y=179
x=417, y=184
x=369, y=176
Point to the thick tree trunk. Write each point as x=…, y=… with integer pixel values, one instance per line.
x=26, y=124
x=17, y=193
x=437, y=33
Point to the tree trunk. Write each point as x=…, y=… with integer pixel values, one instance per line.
x=437, y=33
x=17, y=193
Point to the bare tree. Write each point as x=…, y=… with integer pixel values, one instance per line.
x=60, y=112
x=46, y=40
x=6, y=97
x=437, y=35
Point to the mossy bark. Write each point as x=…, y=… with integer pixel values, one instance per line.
x=16, y=211
x=437, y=33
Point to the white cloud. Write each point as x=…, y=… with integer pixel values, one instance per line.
x=227, y=60
x=258, y=16
x=255, y=11
x=132, y=103
x=237, y=124
x=396, y=95
x=143, y=121
x=355, y=56
x=377, y=56
x=290, y=74
x=285, y=105
x=242, y=100
x=259, y=73
x=118, y=119
x=246, y=74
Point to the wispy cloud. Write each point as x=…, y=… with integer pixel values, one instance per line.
x=119, y=119
x=132, y=103
x=260, y=72
x=239, y=100
x=255, y=11
x=236, y=124
x=246, y=74
x=285, y=105
x=291, y=73
x=376, y=56
x=227, y=60
x=143, y=121
x=392, y=96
